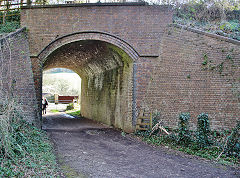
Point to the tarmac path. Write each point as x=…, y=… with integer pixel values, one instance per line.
x=87, y=149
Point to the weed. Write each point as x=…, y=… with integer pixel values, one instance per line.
x=74, y=112
x=183, y=134
x=70, y=106
x=25, y=151
x=205, y=59
x=233, y=142
x=203, y=142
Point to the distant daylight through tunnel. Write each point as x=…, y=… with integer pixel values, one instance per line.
x=107, y=79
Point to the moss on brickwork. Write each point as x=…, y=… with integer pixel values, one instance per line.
x=105, y=103
x=123, y=55
x=106, y=73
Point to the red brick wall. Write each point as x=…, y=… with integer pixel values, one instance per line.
x=178, y=82
x=168, y=73
x=16, y=77
x=140, y=25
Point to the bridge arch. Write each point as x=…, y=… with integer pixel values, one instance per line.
x=88, y=35
x=105, y=64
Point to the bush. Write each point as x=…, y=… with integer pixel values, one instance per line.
x=171, y=138
x=156, y=118
x=70, y=106
x=184, y=137
x=143, y=133
x=203, y=130
x=9, y=27
x=12, y=22
x=233, y=142
x=208, y=144
x=220, y=20
x=11, y=16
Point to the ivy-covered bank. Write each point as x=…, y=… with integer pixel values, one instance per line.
x=216, y=16
x=25, y=151
x=220, y=146
x=12, y=22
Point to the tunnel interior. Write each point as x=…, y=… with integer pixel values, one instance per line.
x=106, y=86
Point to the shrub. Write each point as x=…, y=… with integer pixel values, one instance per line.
x=156, y=117
x=203, y=130
x=10, y=16
x=70, y=106
x=184, y=137
x=9, y=119
x=233, y=142
x=143, y=133
x=202, y=142
x=171, y=138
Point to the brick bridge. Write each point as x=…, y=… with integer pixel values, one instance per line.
x=132, y=60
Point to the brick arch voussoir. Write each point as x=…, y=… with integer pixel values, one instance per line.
x=90, y=35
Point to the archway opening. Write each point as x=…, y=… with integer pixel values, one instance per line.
x=62, y=89
x=107, y=79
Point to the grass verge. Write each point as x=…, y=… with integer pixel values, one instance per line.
x=54, y=110
x=74, y=112
x=32, y=154
x=210, y=153
x=25, y=151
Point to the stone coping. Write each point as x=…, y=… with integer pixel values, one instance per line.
x=86, y=5
x=212, y=35
x=9, y=35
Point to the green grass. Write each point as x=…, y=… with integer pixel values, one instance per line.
x=74, y=112
x=210, y=153
x=54, y=110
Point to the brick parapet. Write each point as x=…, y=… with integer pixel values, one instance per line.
x=140, y=26
x=88, y=5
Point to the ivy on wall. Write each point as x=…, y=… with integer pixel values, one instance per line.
x=227, y=68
